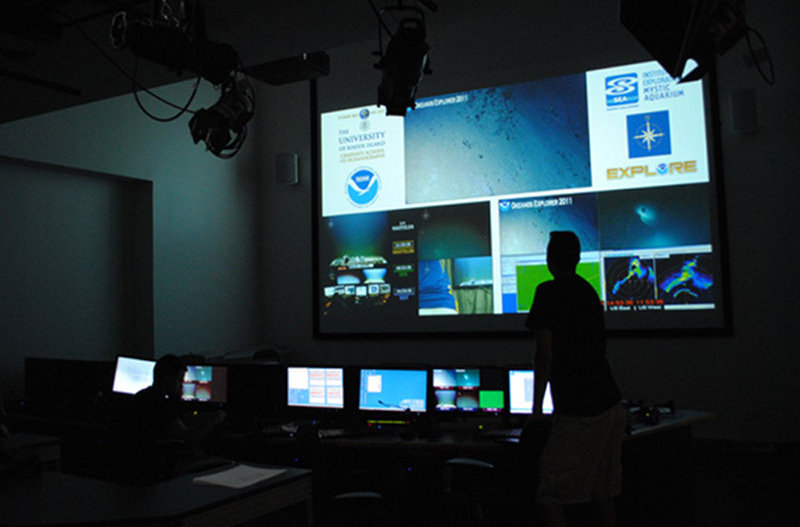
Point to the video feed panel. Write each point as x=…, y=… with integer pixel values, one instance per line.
x=132, y=374
x=520, y=393
x=393, y=390
x=468, y=390
x=315, y=387
x=205, y=383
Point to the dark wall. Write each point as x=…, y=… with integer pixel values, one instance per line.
x=747, y=379
x=76, y=267
x=233, y=247
x=203, y=248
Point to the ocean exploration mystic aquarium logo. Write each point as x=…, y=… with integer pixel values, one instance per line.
x=622, y=89
x=648, y=134
x=363, y=186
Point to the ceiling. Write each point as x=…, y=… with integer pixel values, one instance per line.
x=57, y=53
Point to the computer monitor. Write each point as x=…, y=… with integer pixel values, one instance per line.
x=205, y=383
x=520, y=393
x=132, y=374
x=393, y=390
x=468, y=390
x=315, y=387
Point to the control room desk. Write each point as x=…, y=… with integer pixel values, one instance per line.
x=56, y=499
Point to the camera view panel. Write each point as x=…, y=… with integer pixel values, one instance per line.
x=393, y=390
x=468, y=390
x=520, y=393
x=315, y=387
x=205, y=383
x=535, y=134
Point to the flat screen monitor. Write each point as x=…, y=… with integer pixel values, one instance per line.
x=315, y=387
x=132, y=374
x=393, y=390
x=468, y=390
x=520, y=393
x=205, y=383
x=438, y=222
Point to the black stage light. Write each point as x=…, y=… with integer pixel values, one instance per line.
x=403, y=65
x=178, y=47
x=675, y=32
x=223, y=126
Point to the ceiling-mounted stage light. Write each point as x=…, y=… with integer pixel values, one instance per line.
x=405, y=62
x=684, y=32
x=177, y=46
x=223, y=126
x=180, y=43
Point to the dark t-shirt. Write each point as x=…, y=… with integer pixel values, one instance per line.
x=580, y=377
x=153, y=414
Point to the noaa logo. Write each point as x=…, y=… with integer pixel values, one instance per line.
x=662, y=168
x=364, y=114
x=363, y=186
x=622, y=89
x=505, y=205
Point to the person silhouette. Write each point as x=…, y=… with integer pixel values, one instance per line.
x=580, y=462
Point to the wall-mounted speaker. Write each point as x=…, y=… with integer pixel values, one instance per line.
x=286, y=169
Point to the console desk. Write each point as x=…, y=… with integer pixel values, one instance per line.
x=53, y=499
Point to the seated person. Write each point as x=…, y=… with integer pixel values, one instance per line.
x=155, y=439
x=157, y=408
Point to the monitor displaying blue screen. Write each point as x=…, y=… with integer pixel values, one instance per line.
x=468, y=390
x=205, y=383
x=315, y=387
x=132, y=374
x=393, y=390
x=520, y=393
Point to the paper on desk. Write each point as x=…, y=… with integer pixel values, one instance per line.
x=238, y=477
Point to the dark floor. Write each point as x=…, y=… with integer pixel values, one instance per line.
x=746, y=485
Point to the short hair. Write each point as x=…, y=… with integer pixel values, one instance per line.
x=168, y=367
x=564, y=249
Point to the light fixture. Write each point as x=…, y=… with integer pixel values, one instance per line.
x=404, y=63
x=223, y=126
x=179, y=43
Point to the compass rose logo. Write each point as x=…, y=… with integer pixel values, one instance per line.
x=648, y=134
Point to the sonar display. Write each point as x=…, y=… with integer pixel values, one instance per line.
x=686, y=280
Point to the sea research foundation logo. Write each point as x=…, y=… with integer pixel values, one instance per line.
x=622, y=89
x=363, y=186
x=648, y=134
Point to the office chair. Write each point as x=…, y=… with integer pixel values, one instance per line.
x=468, y=492
x=358, y=509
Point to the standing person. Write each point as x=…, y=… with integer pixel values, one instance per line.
x=580, y=463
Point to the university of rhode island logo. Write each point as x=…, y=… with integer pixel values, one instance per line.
x=363, y=186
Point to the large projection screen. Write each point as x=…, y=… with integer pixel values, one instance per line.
x=438, y=223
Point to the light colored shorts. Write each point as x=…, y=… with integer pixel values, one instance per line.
x=581, y=461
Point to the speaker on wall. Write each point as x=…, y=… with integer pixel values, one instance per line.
x=286, y=168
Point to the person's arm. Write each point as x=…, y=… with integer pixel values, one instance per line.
x=542, y=359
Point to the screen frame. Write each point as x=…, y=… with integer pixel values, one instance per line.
x=505, y=325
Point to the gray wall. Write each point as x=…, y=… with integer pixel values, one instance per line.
x=207, y=290
x=233, y=248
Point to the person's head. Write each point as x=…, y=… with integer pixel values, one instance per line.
x=168, y=375
x=563, y=253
